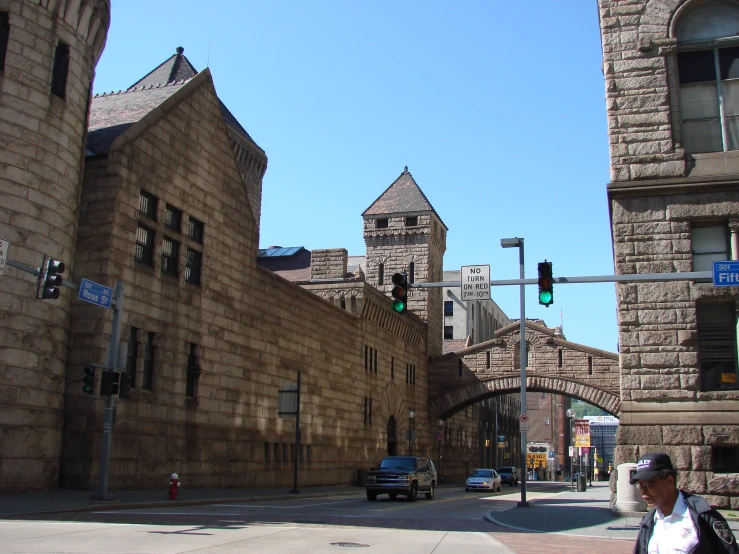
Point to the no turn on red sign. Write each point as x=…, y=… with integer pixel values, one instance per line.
x=475, y=282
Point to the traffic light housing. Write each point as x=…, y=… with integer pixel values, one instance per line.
x=124, y=387
x=546, y=284
x=400, y=292
x=52, y=279
x=88, y=380
x=110, y=382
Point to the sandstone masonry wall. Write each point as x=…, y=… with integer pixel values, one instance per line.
x=40, y=173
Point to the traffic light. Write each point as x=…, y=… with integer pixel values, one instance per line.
x=400, y=292
x=110, y=383
x=88, y=380
x=124, y=388
x=52, y=279
x=546, y=284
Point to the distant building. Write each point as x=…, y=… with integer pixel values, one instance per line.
x=468, y=322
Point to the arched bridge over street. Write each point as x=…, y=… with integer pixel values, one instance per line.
x=491, y=368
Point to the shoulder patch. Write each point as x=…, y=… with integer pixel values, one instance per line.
x=723, y=531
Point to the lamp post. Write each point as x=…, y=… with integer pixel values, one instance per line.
x=518, y=243
x=411, y=418
x=571, y=415
x=439, y=438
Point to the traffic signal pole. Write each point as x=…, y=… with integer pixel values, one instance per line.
x=107, y=438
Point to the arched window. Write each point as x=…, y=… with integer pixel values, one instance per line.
x=708, y=74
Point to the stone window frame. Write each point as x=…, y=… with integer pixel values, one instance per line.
x=172, y=218
x=669, y=48
x=148, y=204
x=193, y=270
x=382, y=223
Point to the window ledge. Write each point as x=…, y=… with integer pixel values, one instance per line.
x=713, y=163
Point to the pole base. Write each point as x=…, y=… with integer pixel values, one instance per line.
x=294, y=491
x=97, y=497
x=522, y=504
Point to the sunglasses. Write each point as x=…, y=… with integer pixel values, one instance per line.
x=650, y=484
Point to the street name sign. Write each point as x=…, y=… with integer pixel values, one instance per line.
x=4, y=245
x=726, y=274
x=475, y=281
x=95, y=293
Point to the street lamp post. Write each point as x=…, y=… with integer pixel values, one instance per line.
x=518, y=243
x=439, y=438
x=411, y=419
x=571, y=415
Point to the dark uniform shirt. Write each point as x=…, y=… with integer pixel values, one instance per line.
x=714, y=535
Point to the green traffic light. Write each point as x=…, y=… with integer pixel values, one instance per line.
x=399, y=306
x=87, y=389
x=545, y=297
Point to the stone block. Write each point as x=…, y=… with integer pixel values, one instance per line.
x=682, y=434
x=701, y=456
x=659, y=360
x=717, y=501
x=639, y=434
x=719, y=435
x=692, y=481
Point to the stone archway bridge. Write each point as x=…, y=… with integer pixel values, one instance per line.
x=467, y=376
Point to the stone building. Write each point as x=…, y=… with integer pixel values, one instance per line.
x=670, y=69
x=48, y=53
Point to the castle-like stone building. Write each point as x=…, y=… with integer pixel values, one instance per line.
x=670, y=70
x=159, y=186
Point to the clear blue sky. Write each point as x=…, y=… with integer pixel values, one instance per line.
x=497, y=109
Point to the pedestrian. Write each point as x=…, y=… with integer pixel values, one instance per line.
x=677, y=521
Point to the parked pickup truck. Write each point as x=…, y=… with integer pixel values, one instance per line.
x=406, y=475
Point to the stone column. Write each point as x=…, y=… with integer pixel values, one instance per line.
x=734, y=228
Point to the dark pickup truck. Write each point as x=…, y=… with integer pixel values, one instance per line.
x=406, y=475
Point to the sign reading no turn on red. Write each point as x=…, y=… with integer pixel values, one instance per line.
x=475, y=281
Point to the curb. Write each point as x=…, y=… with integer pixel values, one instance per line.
x=491, y=519
x=117, y=505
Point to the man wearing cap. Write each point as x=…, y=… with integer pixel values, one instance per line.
x=678, y=522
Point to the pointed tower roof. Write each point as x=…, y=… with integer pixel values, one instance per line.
x=402, y=196
x=176, y=68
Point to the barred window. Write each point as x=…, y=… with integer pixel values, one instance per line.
x=172, y=218
x=132, y=356
x=195, y=230
x=148, y=380
x=144, y=246
x=61, y=70
x=193, y=371
x=192, y=269
x=276, y=448
x=148, y=204
x=4, y=34
x=717, y=347
x=411, y=221
x=170, y=256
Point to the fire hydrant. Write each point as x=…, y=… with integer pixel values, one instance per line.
x=174, y=486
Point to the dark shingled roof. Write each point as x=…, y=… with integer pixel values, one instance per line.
x=402, y=196
x=176, y=68
x=112, y=113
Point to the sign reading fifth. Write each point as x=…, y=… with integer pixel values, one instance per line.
x=475, y=281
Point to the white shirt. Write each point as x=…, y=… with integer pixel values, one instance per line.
x=673, y=534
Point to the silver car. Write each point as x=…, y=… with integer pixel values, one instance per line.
x=483, y=480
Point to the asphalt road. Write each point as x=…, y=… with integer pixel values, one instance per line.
x=454, y=520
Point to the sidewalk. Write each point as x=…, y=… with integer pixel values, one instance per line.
x=575, y=513
x=70, y=500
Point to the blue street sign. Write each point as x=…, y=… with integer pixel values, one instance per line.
x=726, y=274
x=95, y=293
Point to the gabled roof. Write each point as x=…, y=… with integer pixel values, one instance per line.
x=176, y=68
x=112, y=113
x=402, y=196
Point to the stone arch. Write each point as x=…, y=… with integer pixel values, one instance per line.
x=451, y=401
x=686, y=7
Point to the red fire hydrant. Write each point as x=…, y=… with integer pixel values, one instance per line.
x=174, y=486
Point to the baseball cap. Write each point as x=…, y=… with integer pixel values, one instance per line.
x=650, y=465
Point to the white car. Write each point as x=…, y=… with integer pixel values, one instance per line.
x=483, y=480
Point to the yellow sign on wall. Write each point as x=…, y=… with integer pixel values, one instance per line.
x=536, y=460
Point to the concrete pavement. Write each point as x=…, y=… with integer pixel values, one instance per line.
x=69, y=500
